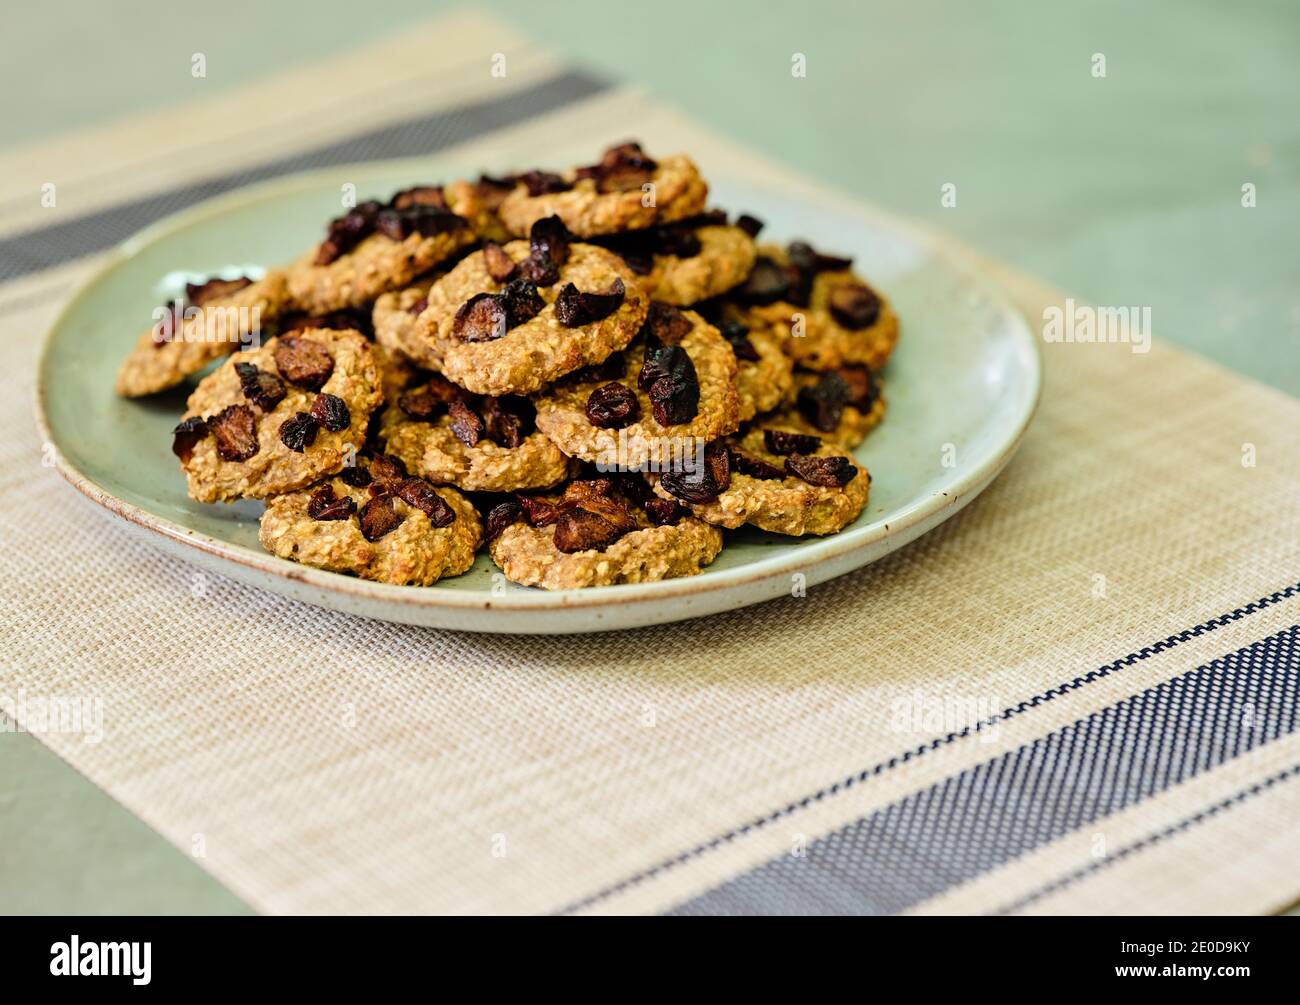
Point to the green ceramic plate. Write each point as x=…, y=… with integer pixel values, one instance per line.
x=966, y=373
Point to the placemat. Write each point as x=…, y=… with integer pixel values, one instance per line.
x=1078, y=695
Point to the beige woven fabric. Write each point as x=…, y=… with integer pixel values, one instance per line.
x=321, y=763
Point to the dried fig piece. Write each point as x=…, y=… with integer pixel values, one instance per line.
x=420, y=494
x=298, y=432
x=823, y=403
x=522, y=302
x=419, y=195
x=235, y=429
x=347, y=319
x=668, y=376
x=828, y=472
x=186, y=435
x=482, y=318
x=540, y=271
x=385, y=468
x=854, y=306
x=707, y=482
x=737, y=336
x=574, y=308
x=622, y=167
x=550, y=238
x=303, y=362
x=580, y=529
x=543, y=183
x=378, y=518
x=347, y=231
x=862, y=387
x=612, y=510
x=678, y=240
x=466, y=423
x=500, y=266
x=587, y=488
x=747, y=464
x=613, y=406
x=806, y=260
x=664, y=512
x=399, y=224
x=331, y=412
x=501, y=516
x=265, y=390
x=537, y=511
x=324, y=505
x=666, y=323
x=778, y=441
x=768, y=282
x=201, y=293
x=508, y=420
x=751, y=225
x=430, y=399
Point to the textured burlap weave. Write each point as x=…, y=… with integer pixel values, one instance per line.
x=318, y=762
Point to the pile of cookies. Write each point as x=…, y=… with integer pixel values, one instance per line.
x=591, y=374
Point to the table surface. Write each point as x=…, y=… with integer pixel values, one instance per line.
x=1125, y=190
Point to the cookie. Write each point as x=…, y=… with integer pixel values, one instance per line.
x=689, y=261
x=396, y=329
x=764, y=373
x=595, y=533
x=396, y=530
x=675, y=385
x=214, y=319
x=278, y=418
x=626, y=191
x=373, y=249
x=479, y=202
x=451, y=437
x=841, y=406
x=511, y=319
x=776, y=481
x=825, y=315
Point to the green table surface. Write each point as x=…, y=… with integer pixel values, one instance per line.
x=1125, y=190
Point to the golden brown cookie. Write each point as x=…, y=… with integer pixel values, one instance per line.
x=374, y=249
x=825, y=315
x=215, y=319
x=399, y=531
x=841, y=406
x=685, y=262
x=779, y=482
x=278, y=418
x=515, y=335
x=629, y=414
x=626, y=191
x=593, y=534
x=396, y=327
x=479, y=203
x=764, y=373
x=451, y=437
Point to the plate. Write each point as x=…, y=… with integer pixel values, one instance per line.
x=962, y=387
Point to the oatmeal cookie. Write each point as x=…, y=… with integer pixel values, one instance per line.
x=512, y=319
x=449, y=436
x=764, y=373
x=598, y=532
x=278, y=418
x=688, y=261
x=843, y=319
x=609, y=197
x=213, y=320
x=781, y=482
x=397, y=530
x=841, y=406
x=396, y=328
x=373, y=249
x=675, y=385
x=479, y=202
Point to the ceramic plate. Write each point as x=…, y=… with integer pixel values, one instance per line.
x=966, y=373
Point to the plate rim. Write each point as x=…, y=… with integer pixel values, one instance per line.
x=815, y=552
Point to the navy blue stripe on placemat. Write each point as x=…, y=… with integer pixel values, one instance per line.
x=986, y=816
x=881, y=767
x=34, y=250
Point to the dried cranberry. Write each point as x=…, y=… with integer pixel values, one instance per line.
x=201, y=293
x=378, y=518
x=854, y=306
x=664, y=512
x=331, y=412
x=613, y=406
x=751, y=225
x=324, y=505
x=522, y=302
x=500, y=266
x=778, y=441
x=501, y=516
x=265, y=390
x=550, y=238
x=543, y=183
x=829, y=472
x=186, y=435
x=573, y=308
x=823, y=403
x=747, y=464
x=427, y=221
x=302, y=361
x=419, y=195
x=666, y=323
x=737, y=336
x=707, y=482
x=466, y=423
x=356, y=476
x=538, y=511
x=481, y=318
x=419, y=493
x=508, y=420
x=299, y=432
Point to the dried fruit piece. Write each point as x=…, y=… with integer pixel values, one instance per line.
x=298, y=432
x=200, y=293
x=537, y=511
x=666, y=323
x=862, y=387
x=822, y=404
x=587, y=488
x=302, y=361
x=580, y=529
x=778, y=441
x=543, y=183
x=508, y=420
x=613, y=406
x=378, y=518
x=500, y=266
x=341, y=320
x=806, y=260
x=501, y=516
x=466, y=423
x=386, y=468
x=707, y=482
x=187, y=433
x=678, y=240
x=767, y=283
x=751, y=225
x=737, y=336
x=664, y=512
x=399, y=224
x=854, y=306
x=265, y=390
x=481, y=318
x=419, y=195
x=331, y=412
x=550, y=238
x=829, y=472
x=431, y=398
x=521, y=301
x=420, y=494
x=324, y=505
x=347, y=231
x=540, y=271
x=356, y=476
x=574, y=308
x=668, y=376
x=746, y=464
x=235, y=429
x=622, y=167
